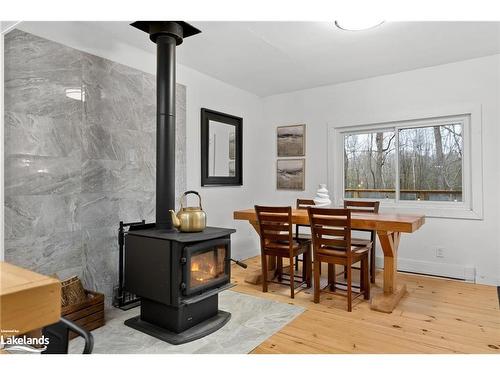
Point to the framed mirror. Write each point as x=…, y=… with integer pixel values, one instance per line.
x=221, y=148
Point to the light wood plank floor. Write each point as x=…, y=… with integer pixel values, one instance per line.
x=436, y=316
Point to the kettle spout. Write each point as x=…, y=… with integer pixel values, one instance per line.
x=175, y=220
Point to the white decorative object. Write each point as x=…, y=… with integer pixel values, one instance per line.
x=322, y=199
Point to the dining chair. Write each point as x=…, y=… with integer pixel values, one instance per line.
x=276, y=239
x=365, y=206
x=331, y=236
x=302, y=204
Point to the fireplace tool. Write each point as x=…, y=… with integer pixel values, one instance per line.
x=121, y=298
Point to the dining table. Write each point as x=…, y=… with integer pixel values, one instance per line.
x=389, y=227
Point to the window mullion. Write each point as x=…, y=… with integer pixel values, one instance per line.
x=396, y=158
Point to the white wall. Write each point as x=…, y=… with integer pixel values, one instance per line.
x=466, y=242
x=220, y=202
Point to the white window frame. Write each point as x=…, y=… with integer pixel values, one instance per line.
x=471, y=206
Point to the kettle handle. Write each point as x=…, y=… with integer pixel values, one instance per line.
x=191, y=192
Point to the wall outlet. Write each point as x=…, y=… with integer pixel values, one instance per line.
x=439, y=252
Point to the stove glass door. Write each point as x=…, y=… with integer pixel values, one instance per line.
x=207, y=265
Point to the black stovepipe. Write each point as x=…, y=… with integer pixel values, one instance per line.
x=167, y=35
x=165, y=130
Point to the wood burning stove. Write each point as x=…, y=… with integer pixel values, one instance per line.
x=176, y=275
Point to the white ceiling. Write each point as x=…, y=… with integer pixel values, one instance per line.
x=269, y=58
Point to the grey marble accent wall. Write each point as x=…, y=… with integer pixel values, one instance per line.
x=75, y=168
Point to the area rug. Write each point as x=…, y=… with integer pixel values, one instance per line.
x=253, y=320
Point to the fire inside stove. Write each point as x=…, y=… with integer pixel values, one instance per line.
x=208, y=266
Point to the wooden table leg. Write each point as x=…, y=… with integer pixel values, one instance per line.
x=388, y=300
x=256, y=276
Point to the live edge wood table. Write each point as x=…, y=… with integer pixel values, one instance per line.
x=28, y=300
x=389, y=227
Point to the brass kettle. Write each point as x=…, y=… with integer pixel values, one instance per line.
x=189, y=219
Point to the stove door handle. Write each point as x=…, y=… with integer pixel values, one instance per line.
x=241, y=264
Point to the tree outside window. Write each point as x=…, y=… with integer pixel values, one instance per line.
x=428, y=160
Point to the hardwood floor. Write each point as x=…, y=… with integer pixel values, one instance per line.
x=436, y=316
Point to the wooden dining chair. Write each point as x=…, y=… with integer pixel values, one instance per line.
x=365, y=206
x=302, y=204
x=276, y=239
x=331, y=236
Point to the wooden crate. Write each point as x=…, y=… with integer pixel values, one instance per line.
x=88, y=314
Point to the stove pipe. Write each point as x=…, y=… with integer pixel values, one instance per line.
x=167, y=35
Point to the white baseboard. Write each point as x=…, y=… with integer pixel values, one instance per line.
x=456, y=271
x=495, y=281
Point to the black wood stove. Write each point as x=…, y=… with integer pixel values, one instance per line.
x=176, y=275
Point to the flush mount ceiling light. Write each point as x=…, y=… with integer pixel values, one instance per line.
x=358, y=25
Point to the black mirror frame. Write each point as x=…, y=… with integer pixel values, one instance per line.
x=237, y=122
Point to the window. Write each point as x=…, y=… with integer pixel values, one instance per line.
x=409, y=161
x=430, y=166
x=430, y=162
x=370, y=164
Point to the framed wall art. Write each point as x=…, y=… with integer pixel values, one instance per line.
x=291, y=140
x=290, y=174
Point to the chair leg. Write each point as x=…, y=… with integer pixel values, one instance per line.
x=372, y=263
x=264, y=272
x=292, y=278
x=304, y=266
x=309, y=268
x=297, y=263
x=316, y=269
x=362, y=279
x=331, y=276
x=279, y=266
x=365, y=276
x=349, y=288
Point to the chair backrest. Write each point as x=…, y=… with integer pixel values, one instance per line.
x=275, y=225
x=331, y=229
x=362, y=206
x=301, y=204
x=304, y=203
